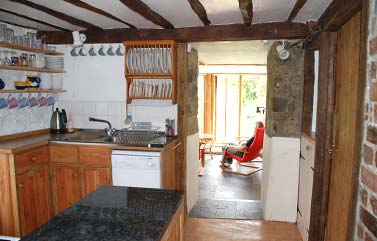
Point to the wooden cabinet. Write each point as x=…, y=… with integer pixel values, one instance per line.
x=66, y=186
x=33, y=191
x=151, y=70
x=174, y=232
x=169, y=166
x=77, y=171
x=94, y=177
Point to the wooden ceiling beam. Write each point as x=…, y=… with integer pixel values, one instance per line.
x=199, y=9
x=33, y=19
x=231, y=32
x=298, y=5
x=84, y=5
x=145, y=11
x=57, y=14
x=338, y=13
x=246, y=8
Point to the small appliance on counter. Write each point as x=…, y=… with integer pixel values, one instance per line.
x=58, y=122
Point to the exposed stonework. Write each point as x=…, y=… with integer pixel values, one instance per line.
x=284, y=93
x=192, y=87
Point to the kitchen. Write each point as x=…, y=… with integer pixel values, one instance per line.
x=67, y=167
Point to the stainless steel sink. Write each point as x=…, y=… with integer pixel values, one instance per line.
x=85, y=137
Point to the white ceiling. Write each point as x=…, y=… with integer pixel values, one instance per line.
x=232, y=52
x=178, y=12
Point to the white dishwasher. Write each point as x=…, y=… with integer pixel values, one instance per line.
x=136, y=168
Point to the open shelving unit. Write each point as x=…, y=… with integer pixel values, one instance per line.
x=28, y=49
x=146, y=77
x=19, y=68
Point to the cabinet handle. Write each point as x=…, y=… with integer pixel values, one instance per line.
x=33, y=158
x=20, y=185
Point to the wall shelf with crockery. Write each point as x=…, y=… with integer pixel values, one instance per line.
x=10, y=67
x=33, y=91
x=150, y=65
x=28, y=49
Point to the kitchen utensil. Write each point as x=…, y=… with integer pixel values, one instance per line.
x=58, y=123
x=120, y=50
x=40, y=61
x=75, y=52
x=46, y=81
x=57, y=83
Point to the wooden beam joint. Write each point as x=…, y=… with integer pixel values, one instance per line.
x=246, y=8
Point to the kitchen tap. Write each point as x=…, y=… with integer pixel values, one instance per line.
x=109, y=131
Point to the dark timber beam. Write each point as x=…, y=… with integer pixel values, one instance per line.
x=57, y=14
x=231, y=32
x=145, y=11
x=199, y=9
x=246, y=8
x=338, y=13
x=33, y=19
x=299, y=4
x=89, y=7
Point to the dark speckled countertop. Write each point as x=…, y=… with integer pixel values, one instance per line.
x=113, y=213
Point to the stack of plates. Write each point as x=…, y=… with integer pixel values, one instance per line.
x=54, y=62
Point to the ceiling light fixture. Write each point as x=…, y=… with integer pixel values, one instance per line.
x=78, y=39
x=282, y=51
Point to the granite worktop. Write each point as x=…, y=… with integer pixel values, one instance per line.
x=113, y=213
x=44, y=137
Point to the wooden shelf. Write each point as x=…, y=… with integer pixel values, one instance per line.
x=33, y=91
x=28, y=49
x=32, y=69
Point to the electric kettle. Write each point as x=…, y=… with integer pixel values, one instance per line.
x=58, y=122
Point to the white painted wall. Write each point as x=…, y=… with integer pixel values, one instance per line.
x=192, y=170
x=280, y=178
x=96, y=87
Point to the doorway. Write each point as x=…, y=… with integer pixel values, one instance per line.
x=231, y=85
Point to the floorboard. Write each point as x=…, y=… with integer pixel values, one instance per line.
x=202, y=229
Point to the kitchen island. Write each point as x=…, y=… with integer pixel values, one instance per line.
x=118, y=213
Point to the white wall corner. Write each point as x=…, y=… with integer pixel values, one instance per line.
x=192, y=150
x=280, y=178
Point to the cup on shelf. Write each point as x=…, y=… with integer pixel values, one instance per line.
x=42, y=100
x=12, y=102
x=75, y=52
x=23, y=102
x=3, y=103
x=92, y=51
x=83, y=51
x=120, y=50
x=102, y=51
x=46, y=81
x=110, y=51
x=50, y=100
x=33, y=101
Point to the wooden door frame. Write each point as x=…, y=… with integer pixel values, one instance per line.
x=326, y=100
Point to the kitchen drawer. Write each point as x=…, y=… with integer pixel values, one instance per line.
x=94, y=155
x=63, y=153
x=31, y=158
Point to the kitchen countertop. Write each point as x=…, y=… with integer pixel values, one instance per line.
x=113, y=213
x=24, y=143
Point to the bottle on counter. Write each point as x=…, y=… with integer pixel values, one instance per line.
x=70, y=127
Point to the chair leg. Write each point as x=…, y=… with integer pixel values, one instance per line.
x=243, y=173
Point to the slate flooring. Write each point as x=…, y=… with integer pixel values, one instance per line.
x=227, y=195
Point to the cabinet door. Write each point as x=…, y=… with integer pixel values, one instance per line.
x=66, y=188
x=94, y=177
x=33, y=191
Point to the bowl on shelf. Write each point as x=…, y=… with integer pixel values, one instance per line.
x=20, y=87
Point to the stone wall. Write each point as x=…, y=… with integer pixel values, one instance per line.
x=284, y=93
x=366, y=225
x=192, y=92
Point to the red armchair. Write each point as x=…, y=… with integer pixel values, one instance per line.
x=248, y=156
